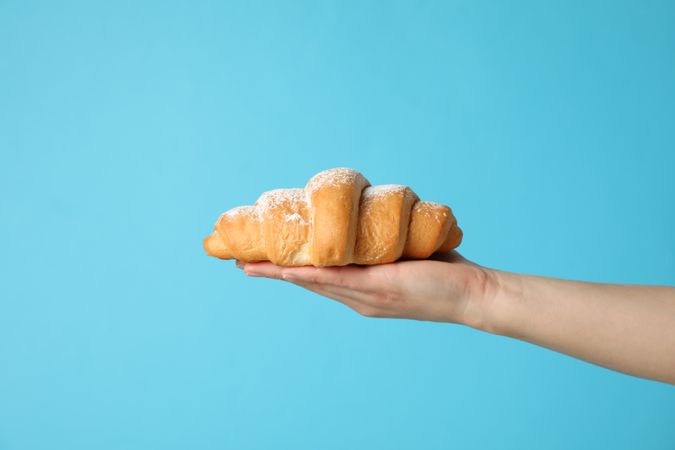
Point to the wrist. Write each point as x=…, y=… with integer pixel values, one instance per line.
x=490, y=295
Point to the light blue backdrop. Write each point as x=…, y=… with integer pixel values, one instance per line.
x=126, y=127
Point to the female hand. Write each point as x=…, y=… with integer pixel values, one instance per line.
x=446, y=289
x=630, y=328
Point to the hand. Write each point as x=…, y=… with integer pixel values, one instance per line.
x=448, y=288
x=596, y=322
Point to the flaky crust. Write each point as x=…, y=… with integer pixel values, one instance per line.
x=338, y=218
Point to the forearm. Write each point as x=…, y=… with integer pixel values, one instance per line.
x=629, y=328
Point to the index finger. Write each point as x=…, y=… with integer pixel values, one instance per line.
x=351, y=276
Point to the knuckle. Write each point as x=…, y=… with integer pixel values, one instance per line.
x=340, y=277
x=311, y=278
x=385, y=298
x=319, y=275
x=287, y=274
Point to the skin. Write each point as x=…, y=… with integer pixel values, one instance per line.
x=628, y=328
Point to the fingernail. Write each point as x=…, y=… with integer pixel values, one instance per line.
x=240, y=264
x=252, y=273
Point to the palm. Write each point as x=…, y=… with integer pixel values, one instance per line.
x=434, y=289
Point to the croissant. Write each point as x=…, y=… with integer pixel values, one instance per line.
x=337, y=219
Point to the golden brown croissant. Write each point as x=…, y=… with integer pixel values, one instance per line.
x=337, y=219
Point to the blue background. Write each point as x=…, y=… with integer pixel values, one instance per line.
x=126, y=128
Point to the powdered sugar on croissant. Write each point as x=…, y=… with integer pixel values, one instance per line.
x=338, y=218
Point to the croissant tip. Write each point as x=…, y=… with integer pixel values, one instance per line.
x=206, y=245
x=214, y=246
